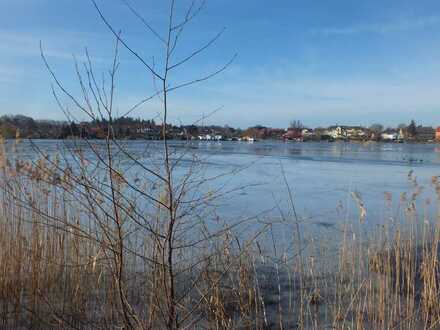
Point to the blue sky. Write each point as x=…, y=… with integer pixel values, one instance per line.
x=322, y=62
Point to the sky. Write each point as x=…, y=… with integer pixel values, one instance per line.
x=320, y=62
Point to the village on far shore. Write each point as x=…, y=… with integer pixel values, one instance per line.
x=133, y=129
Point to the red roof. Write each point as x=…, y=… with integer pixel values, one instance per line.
x=438, y=129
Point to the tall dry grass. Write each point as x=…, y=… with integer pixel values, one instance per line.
x=68, y=262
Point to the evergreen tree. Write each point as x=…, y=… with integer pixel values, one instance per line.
x=412, y=129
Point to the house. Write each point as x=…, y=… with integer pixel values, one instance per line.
x=425, y=133
x=322, y=133
x=336, y=132
x=210, y=137
x=437, y=134
x=307, y=132
x=248, y=139
x=389, y=135
x=347, y=132
x=402, y=134
x=206, y=137
x=356, y=132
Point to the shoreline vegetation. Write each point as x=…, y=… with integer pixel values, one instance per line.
x=128, y=128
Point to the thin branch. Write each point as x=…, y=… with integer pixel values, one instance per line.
x=144, y=21
x=180, y=27
x=140, y=103
x=101, y=15
x=58, y=83
x=189, y=16
x=198, y=51
x=196, y=81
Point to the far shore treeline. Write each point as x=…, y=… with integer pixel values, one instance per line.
x=12, y=126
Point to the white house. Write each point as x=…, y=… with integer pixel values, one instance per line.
x=355, y=132
x=206, y=137
x=343, y=132
x=307, y=132
x=336, y=132
x=389, y=136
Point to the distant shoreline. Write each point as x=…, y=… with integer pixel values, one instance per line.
x=232, y=141
x=127, y=128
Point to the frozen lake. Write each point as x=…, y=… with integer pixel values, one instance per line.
x=322, y=176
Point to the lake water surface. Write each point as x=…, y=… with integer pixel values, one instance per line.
x=321, y=176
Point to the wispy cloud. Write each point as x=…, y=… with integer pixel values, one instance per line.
x=380, y=28
x=26, y=44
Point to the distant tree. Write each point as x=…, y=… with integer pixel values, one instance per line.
x=74, y=130
x=120, y=132
x=296, y=124
x=401, y=126
x=376, y=128
x=83, y=131
x=192, y=130
x=412, y=128
x=7, y=130
x=65, y=131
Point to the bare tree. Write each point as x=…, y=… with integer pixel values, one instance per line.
x=296, y=124
x=142, y=210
